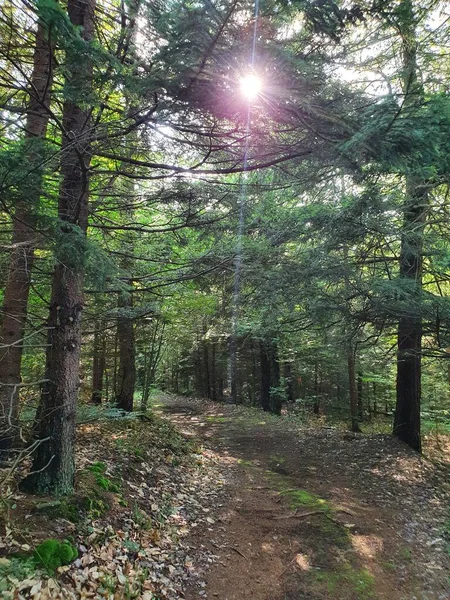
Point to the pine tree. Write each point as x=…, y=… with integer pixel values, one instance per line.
x=53, y=467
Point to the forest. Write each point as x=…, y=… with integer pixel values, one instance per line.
x=225, y=273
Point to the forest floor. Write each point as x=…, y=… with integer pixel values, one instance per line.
x=315, y=514
x=203, y=500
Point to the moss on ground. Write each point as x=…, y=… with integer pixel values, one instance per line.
x=302, y=498
x=52, y=554
x=346, y=583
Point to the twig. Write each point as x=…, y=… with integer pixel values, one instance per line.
x=238, y=551
x=326, y=514
x=301, y=516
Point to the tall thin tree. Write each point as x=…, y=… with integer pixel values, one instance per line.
x=53, y=465
x=26, y=199
x=415, y=207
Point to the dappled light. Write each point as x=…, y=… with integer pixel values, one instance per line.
x=368, y=546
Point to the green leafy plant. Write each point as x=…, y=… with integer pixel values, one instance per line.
x=15, y=568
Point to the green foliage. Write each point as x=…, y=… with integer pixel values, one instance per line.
x=101, y=480
x=97, y=467
x=14, y=569
x=52, y=554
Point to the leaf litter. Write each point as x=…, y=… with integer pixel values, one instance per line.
x=131, y=542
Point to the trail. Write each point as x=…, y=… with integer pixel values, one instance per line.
x=316, y=514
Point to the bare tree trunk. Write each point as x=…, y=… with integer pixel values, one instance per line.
x=288, y=382
x=353, y=391
x=275, y=391
x=316, y=408
x=126, y=380
x=115, y=364
x=206, y=374
x=53, y=466
x=234, y=369
x=409, y=348
x=17, y=287
x=98, y=366
x=360, y=398
x=264, y=362
x=213, y=372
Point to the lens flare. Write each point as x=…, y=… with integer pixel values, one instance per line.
x=251, y=86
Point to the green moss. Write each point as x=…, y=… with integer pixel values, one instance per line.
x=245, y=463
x=406, y=554
x=298, y=498
x=347, y=583
x=52, y=554
x=217, y=419
x=97, y=467
x=389, y=566
x=95, y=506
x=277, y=458
x=65, y=509
x=106, y=484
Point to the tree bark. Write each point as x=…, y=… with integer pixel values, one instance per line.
x=353, y=391
x=316, y=408
x=264, y=362
x=234, y=369
x=409, y=344
x=126, y=377
x=206, y=374
x=275, y=391
x=17, y=286
x=98, y=366
x=288, y=382
x=213, y=372
x=360, y=398
x=53, y=466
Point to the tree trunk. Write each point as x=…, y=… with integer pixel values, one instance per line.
x=353, y=391
x=98, y=366
x=316, y=408
x=53, y=466
x=276, y=396
x=115, y=364
x=206, y=375
x=409, y=345
x=360, y=398
x=288, y=382
x=17, y=286
x=265, y=376
x=126, y=377
x=213, y=372
x=234, y=368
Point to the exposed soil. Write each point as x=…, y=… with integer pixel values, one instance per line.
x=315, y=514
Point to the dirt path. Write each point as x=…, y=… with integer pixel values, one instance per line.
x=316, y=514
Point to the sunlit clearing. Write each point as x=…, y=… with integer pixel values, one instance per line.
x=250, y=86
